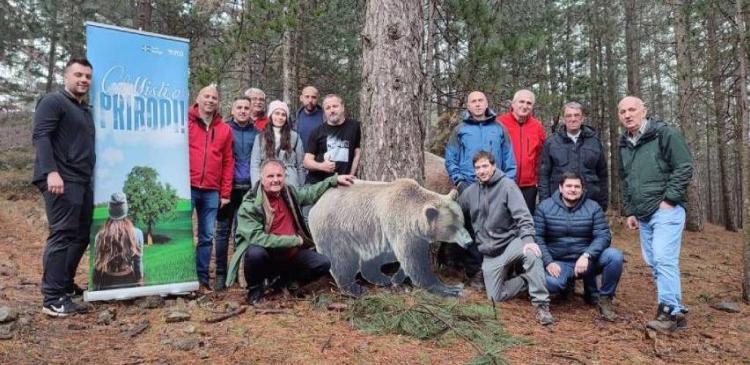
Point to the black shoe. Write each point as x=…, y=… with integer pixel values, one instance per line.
x=74, y=291
x=63, y=307
x=220, y=283
x=254, y=294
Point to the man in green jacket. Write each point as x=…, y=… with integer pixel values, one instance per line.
x=272, y=235
x=656, y=168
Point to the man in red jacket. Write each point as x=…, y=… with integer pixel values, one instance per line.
x=211, y=171
x=527, y=137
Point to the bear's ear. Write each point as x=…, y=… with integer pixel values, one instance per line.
x=453, y=195
x=431, y=213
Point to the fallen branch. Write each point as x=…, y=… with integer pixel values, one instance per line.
x=224, y=316
x=569, y=357
x=270, y=311
x=138, y=329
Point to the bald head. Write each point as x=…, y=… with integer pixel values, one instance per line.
x=476, y=104
x=632, y=113
x=208, y=102
x=522, y=104
x=309, y=98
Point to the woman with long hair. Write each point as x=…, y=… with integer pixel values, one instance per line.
x=118, y=249
x=279, y=141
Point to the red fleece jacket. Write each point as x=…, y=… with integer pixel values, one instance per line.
x=211, y=159
x=527, y=140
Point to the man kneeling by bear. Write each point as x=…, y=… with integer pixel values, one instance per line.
x=504, y=233
x=271, y=232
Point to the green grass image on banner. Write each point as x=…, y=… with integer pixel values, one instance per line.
x=163, y=263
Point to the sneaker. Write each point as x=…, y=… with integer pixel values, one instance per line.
x=543, y=315
x=606, y=309
x=220, y=283
x=666, y=322
x=63, y=307
x=254, y=294
x=74, y=291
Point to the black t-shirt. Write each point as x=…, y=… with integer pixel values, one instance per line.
x=334, y=143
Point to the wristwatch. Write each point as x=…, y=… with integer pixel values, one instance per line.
x=586, y=255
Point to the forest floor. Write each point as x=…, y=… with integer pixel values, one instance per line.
x=296, y=330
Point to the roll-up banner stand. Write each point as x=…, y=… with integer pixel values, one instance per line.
x=142, y=233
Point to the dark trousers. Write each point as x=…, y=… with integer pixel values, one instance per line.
x=529, y=195
x=304, y=266
x=226, y=224
x=69, y=217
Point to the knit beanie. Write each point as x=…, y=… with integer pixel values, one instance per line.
x=278, y=104
x=118, y=206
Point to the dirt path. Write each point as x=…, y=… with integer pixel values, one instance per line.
x=303, y=334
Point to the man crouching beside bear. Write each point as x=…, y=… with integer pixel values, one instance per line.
x=273, y=238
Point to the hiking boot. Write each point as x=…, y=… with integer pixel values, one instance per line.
x=63, y=307
x=543, y=315
x=254, y=294
x=606, y=309
x=591, y=299
x=74, y=291
x=477, y=281
x=220, y=283
x=666, y=322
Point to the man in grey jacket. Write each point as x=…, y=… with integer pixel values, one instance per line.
x=504, y=234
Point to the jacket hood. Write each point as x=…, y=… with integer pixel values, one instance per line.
x=233, y=123
x=586, y=131
x=489, y=113
x=195, y=115
x=651, y=132
x=497, y=176
x=557, y=198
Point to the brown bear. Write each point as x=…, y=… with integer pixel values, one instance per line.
x=362, y=227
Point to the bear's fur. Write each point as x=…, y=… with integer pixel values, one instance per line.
x=369, y=224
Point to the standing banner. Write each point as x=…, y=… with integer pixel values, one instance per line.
x=142, y=233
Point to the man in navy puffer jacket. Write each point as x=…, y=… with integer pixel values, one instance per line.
x=573, y=235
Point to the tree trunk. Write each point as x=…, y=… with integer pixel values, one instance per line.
x=745, y=143
x=143, y=15
x=633, y=47
x=721, y=120
x=686, y=113
x=287, y=74
x=429, y=68
x=52, y=58
x=615, y=196
x=391, y=96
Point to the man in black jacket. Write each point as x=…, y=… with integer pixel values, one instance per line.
x=574, y=147
x=573, y=235
x=63, y=138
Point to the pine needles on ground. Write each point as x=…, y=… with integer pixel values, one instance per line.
x=430, y=317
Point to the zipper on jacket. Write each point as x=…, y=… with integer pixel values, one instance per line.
x=205, y=156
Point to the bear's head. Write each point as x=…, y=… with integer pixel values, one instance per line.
x=446, y=221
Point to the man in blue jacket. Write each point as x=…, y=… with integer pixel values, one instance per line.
x=477, y=132
x=573, y=235
x=243, y=136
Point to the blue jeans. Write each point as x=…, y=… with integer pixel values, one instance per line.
x=206, y=205
x=661, y=239
x=609, y=265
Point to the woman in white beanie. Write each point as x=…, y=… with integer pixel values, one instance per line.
x=118, y=249
x=279, y=141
